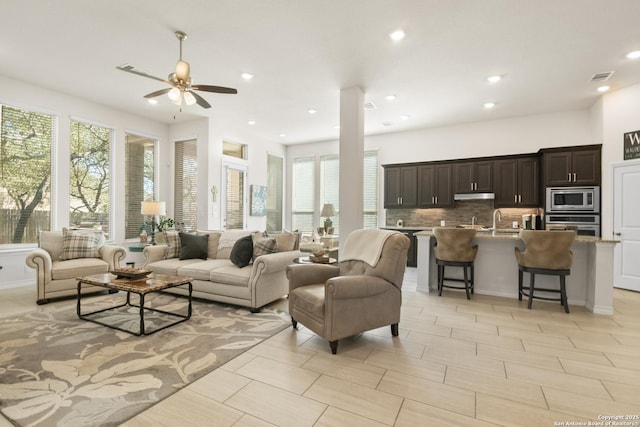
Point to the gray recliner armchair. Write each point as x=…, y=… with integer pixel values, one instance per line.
x=362, y=293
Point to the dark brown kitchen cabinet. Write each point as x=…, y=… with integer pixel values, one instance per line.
x=572, y=167
x=516, y=182
x=435, y=186
x=401, y=187
x=473, y=177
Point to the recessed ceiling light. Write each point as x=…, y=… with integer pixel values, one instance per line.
x=405, y=117
x=397, y=35
x=246, y=76
x=152, y=101
x=489, y=105
x=251, y=122
x=312, y=111
x=603, y=88
x=494, y=79
x=390, y=97
x=634, y=55
x=282, y=135
x=336, y=127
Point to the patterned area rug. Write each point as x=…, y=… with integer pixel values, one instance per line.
x=58, y=370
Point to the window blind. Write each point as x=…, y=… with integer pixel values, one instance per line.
x=186, y=188
x=139, y=181
x=28, y=144
x=274, y=192
x=90, y=173
x=303, y=199
x=235, y=198
x=330, y=187
x=370, y=189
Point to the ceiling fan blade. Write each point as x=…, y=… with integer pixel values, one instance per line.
x=158, y=93
x=216, y=89
x=200, y=100
x=133, y=70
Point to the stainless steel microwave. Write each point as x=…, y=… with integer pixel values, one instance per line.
x=573, y=199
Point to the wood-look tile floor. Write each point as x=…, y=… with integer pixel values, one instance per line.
x=485, y=362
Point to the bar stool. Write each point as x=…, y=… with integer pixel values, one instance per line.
x=454, y=249
x=548, y=253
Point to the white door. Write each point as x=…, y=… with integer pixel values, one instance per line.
x=626, y=224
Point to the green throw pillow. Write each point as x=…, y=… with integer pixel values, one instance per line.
x=242, y=251
x=193, y=246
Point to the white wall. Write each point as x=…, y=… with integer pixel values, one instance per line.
x=66, y=108
x=517, y=135
x=621, y=114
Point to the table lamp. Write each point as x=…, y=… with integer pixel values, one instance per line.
x=153, y=208
x=328, y=211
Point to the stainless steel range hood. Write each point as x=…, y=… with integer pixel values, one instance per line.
x=474, y=196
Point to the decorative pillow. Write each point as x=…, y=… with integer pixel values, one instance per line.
x=264, y=246
x=228, y=238
x=242, y=251
x=286, y=241
x=172, y=237
x=193, y=246
x=80, y=244
x=214, y=241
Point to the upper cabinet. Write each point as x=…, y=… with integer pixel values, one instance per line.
x=400, y=187
x=473, y=177
x=434, y=185
x=516, y=182
x=572, y=166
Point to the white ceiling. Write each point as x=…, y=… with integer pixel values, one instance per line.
x=302, y=52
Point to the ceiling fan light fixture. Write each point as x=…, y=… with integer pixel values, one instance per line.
x=182, y=71
x=189, y=99
x=174, y=94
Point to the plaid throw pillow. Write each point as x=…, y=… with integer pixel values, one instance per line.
x=80, y=244
x=264, y=246
x=173, y=243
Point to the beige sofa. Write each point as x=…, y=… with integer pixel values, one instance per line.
x=59, y=260
x=216, y=278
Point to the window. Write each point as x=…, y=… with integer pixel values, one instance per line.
x=274, y=192
x=330, y=187
x=27, y=140
x=303, y=194
x=90, y=176
x=139, y=182
x=370, y=189
x=235, y=190
x=231, y=149
x=186, y=188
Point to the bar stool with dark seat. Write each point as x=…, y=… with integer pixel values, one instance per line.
x=454, y=249
x=549, y=253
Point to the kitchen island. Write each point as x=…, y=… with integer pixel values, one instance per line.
x=590, y=283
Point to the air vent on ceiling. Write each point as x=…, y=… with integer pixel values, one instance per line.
x=602, y=77
x=369, y=106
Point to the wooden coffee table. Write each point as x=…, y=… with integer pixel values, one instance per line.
x=142, y=287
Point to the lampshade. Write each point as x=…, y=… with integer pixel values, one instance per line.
x=153, y=208
x=328, y=210
x=182, y=71
x=174, y=94
x=189, y=99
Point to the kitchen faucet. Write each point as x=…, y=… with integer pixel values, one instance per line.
x=496, y=211
x=473, y=220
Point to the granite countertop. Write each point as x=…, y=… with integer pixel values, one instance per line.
x=514, y=234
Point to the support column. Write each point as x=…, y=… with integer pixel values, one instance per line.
x=351, y=160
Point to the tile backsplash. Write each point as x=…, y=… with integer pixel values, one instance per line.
x=461, y=213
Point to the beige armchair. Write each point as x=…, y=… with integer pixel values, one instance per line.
x=362, y=293
x=58, y=265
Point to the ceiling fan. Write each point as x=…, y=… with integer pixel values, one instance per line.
x=180, y=81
